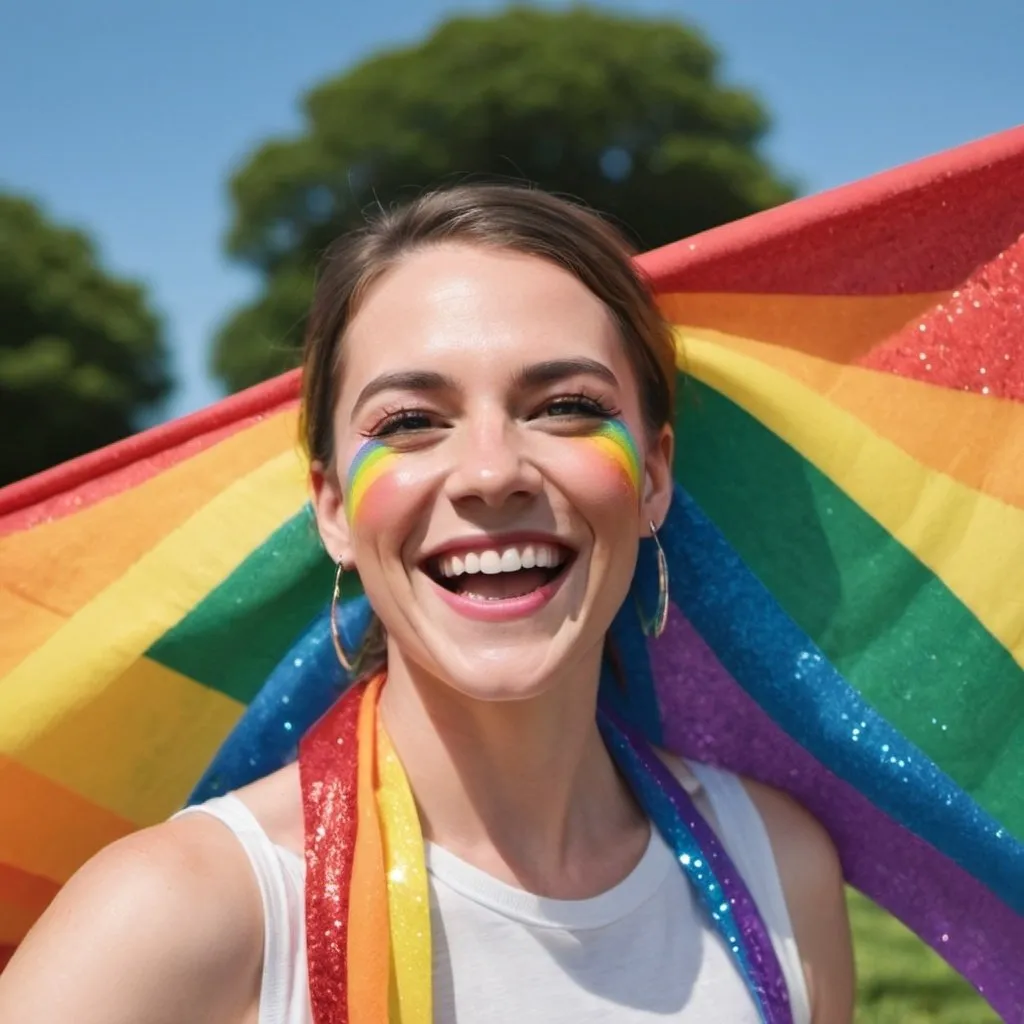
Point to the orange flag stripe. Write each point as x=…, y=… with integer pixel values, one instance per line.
x=23, y=889
x=102, y=640
x=979, y=552
x=23, y=898
x=946, y=430
x=137, y=718
x=837, y=328
x=40, y=592
x=46, y=829
x=15, y=922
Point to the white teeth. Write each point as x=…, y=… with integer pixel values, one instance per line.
x=510, y=560
x=492, y=561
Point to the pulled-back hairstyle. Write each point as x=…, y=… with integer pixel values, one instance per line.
x=499, y=217
x=505, y=217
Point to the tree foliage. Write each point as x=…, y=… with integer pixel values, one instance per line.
x=624, y=113
x=81, y=352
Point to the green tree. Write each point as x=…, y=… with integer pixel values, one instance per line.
x=627, y=114
x=81, y=352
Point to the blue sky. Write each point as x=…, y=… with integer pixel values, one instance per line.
x=126, y=117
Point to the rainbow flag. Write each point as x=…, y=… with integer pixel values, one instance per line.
x=845, y=551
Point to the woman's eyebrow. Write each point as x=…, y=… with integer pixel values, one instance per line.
x=535, y=375
x=552, y=371
x=403, y=380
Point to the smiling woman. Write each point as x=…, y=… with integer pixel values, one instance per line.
x=488, y=393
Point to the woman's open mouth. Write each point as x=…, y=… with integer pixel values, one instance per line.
x=504, y=573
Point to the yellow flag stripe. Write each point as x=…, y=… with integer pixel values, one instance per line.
x=949, y=431
x=56, y=568
x=100, y=643
x=972, y=542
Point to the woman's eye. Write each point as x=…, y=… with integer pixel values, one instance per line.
x=407, y=421
x=577, y=405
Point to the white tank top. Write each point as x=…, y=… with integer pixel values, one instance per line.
x=638, y=953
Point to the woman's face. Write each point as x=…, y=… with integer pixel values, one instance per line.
x=492, y=478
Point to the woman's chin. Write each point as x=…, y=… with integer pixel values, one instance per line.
x=516, y=672
x=497, y=651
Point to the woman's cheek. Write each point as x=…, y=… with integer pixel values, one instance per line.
x=374, y=501
x=392, y=498
x=596, y=476
x=609, y=463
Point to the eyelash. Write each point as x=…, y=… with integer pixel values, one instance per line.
x=585, y=406
x=394, y=421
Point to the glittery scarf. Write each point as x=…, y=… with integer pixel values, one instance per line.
x=367, y=898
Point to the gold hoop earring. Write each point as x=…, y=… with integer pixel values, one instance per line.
x=655, y=626
x=348, y=666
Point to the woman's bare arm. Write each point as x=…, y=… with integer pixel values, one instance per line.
x=812, y=881
x=165, y=925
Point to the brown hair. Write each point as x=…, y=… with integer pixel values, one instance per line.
x=500, y=217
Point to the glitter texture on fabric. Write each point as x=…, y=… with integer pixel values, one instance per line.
x=782, y=669
x=716, y=883
x=167, y=596
x=300, y=689
x=712, y=719
x=972, y=340
x=328, y=776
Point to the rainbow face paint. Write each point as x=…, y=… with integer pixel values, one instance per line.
x=372, y=461
x=616, y=443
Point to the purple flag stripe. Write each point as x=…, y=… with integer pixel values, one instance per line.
x=708, y=717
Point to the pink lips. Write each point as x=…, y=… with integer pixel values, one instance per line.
x=504, y=610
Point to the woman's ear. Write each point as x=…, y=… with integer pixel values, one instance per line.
x=329, y=507
x=658, y=479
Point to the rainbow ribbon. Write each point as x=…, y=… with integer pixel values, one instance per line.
x=716, y=883
x=369, y=845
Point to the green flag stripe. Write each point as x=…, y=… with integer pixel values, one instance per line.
x=233, y=638
x=893, y=629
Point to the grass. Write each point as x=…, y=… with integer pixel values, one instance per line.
x=901, y=981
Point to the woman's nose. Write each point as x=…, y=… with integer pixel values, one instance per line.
x=491, y=466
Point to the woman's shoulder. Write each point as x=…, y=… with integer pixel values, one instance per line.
x=812, y=882
x=811, y=877
x=276, y=803
x=801, y=845
x=162, y=925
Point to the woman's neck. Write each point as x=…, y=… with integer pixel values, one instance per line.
x=524, y=790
